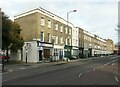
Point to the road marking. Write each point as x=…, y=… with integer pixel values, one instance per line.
x=88, y=71
x=116, y=79
x=35, y=66
x=23, y=68
x=101, y=66
x=110, y=62
x=114, y=57
x=80, y=74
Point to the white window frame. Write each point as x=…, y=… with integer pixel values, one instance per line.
x=56, y=39
x=66, y=41
x=61, y=39
x=70, y=31
x=66, y=30
x=49, y=35
x=42, y=21
x=61, y=28
x=56, y=26
x=42, y=39
x=70, y=42
x=49, y=24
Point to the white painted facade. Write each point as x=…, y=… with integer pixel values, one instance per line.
x=31, y=53
x=75, y=39
x=75, y=32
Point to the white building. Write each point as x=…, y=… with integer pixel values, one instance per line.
x=75, y=40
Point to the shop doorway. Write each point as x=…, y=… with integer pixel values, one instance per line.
x=40, y=55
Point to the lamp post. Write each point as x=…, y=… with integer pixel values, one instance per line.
x=67, y=28
x=26, y=49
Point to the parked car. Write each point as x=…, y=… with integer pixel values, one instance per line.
x=5, y=58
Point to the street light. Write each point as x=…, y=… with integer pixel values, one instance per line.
x=26, y=50
x=67, y=27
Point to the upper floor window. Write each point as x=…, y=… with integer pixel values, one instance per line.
x=61, y=28
x=48, y=37
x=56, y=26
x=66, y=29
x=70, y=42
x=90, y=38
x=66, y=41
x=61, y=39
x=42, y=21
x=70, y=31
x=49, y=24
x=41, y=36
x=56, y=39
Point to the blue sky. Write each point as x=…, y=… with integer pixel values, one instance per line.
x=96, y=16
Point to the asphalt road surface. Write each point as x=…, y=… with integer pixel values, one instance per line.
x=100, y=71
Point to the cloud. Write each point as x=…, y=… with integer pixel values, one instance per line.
x=96, y=16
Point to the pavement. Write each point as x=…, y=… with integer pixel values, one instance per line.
x=16, y=66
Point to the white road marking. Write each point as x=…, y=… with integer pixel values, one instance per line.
x=116, y=79
x=35, y=66
x=23, y=68
x=88, y=71
x=114, y=57
x=80, y=74
x=109, y=62
x=101, y=66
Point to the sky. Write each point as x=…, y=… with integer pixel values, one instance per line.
x=99, y=17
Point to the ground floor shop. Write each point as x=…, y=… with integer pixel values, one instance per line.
x=75, y=52
x=67, y=51
x=40, y=51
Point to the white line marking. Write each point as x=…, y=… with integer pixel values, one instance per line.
x=88, y=71
x=113, y=57
x=109, y=62
x=23, y=68
x=35, y=66
x=101, y=66
x=116, y=79
x=80, y=74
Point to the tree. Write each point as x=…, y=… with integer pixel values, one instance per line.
x=17, y=40
x=11, y=38
x=6, y=29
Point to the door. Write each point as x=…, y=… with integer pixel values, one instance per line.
x=40, y=55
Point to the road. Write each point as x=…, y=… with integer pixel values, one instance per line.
x=99, y=71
